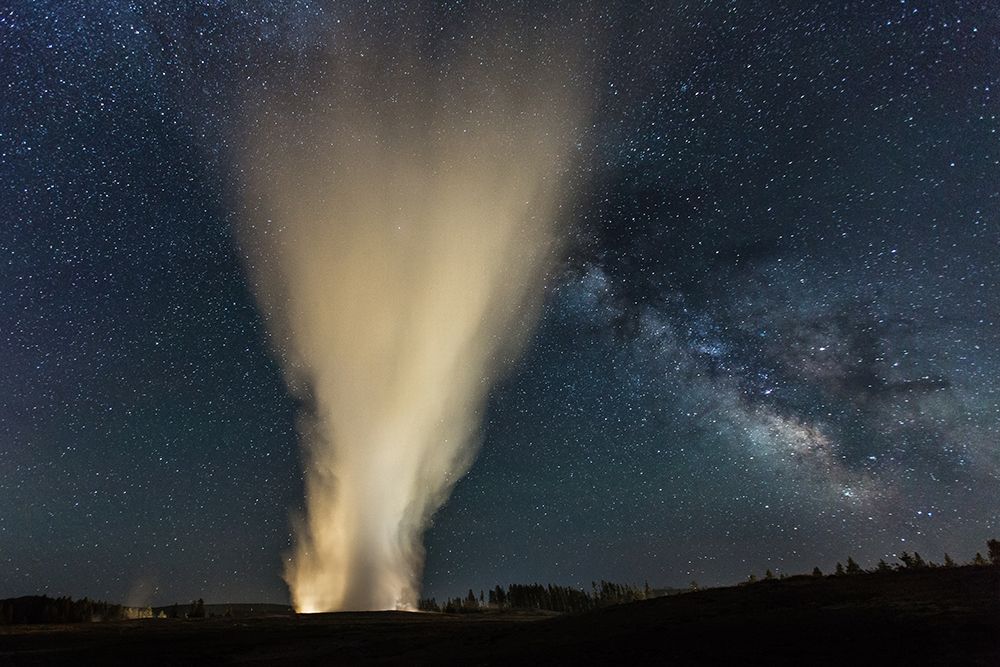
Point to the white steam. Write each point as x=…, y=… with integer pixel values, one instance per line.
x=399, y=228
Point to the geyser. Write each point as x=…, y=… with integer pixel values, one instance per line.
x=400, y=222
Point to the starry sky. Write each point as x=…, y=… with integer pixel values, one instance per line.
x=772, y=341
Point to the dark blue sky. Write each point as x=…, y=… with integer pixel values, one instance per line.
x=773, y=342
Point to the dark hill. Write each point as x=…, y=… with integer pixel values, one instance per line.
x=940, y=616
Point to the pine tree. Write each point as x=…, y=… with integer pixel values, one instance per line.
x=993, y=547
x=979, y=560
x=948, y=562
x=197, y=609
x=768, y=575
x=882, y=566
x=852, y=567
x=817, y=572
x=840, y=569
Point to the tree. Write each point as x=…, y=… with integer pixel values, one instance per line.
x=994, y=550
x=979, y=560
x=852, y=567
x=501, y=596
x=882, y=566
x=948, y=562
x=768, y=575
x=817, y=572
x=197, y=609
x=840, y=569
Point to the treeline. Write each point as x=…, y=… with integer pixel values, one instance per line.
x=43, y=609
x=566, y=599
x=907, y=562
x=195, y=610
x=549, y=597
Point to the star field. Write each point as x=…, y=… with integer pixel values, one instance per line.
x=772, y=342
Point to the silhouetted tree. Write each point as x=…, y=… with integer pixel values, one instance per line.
x=817, y=572
x=768, y=575
x=882, y=566
x=852, y=566
x=993, y=547
x=197, y=609
x=979, y=560
x=840, y=569
x=428, y=604
x=948, y=562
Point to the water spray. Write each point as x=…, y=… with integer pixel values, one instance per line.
x=399, y=229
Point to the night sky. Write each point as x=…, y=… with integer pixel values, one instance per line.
x=772, y=342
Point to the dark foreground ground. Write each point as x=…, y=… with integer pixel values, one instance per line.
x=937, y=617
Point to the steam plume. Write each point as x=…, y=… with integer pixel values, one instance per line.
x=399, y=231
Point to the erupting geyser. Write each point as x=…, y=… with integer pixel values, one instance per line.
x=399, y=226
